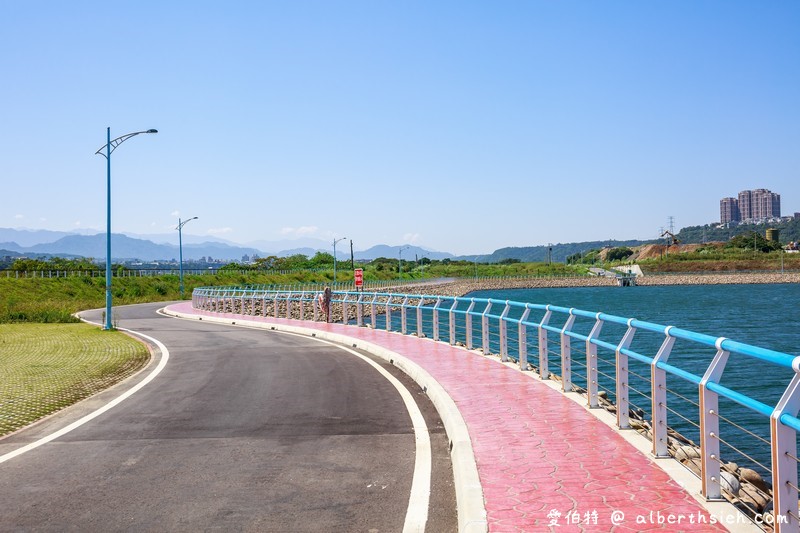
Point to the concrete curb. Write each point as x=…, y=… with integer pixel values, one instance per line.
x=472, y=516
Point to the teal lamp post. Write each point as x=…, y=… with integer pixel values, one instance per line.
x=105, y=151
x=334, y=256
x=180, y=248
x=400, y=260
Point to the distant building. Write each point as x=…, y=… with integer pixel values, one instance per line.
x=754, y=205
x=729, y=210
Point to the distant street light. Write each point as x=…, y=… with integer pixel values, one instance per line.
x=400, y=262
x=180, y=248
x=109, y=147
x=334, y=256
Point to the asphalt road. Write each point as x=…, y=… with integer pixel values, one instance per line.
x=242, y=430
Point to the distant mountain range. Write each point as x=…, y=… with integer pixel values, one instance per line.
x=162, y=247
x=36, y=243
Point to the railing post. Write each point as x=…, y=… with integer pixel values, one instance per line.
x=403, y=316
x=360, y=310
x=709, y=426
x=315, y=304
x=302, y=305
x=523, y=339
x=566, y=354
x=451, y=314
x=623, y=402
x=503, y=327
x=436, y=318
x=420, y=306
x=659, y=396
x=485, y=328
x=784, y=451
x=468, y=323
x=373, y=311
x=389, y=313
x=591, y=364
x=544, y=363
x=288, y=305
x=275, y=303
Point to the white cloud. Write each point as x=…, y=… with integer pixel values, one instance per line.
x=175, y=213
x=19, y=217
x=77, y=223
x=302, y=231
x=411, y=238
x=219, y=231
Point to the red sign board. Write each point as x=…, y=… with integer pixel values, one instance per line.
x=358, y=275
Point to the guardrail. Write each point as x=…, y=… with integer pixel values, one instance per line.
x=657, y=372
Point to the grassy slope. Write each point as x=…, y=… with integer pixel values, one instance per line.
x=46, y=367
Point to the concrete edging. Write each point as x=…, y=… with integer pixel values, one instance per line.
x=472, y=517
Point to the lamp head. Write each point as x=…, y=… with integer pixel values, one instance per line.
x=151, y=131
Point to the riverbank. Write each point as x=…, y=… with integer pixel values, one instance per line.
x=465, y=286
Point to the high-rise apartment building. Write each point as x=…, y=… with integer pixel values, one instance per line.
x=729, y=210
x=757, y=204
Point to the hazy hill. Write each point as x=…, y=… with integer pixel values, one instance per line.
x=558, y=254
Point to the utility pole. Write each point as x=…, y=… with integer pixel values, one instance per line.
x=352, y=257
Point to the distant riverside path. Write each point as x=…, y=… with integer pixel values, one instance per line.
x=461, y=287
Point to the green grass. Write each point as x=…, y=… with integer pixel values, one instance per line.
x=46, y=367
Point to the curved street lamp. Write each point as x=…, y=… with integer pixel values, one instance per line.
x=334, y=256
x=180, y=248
x=109, y=147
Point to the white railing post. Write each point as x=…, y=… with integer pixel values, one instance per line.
x=360, y=310
x=623, y=402
x=403, y=317
x=709, y=426
x=468, y=323
x=420, y=333
x=451, y=314
x=659, y=396
x=503, y=327
x=523, y=339
x=275, y=303
x=485, y=328
x=784, y=451
x=315, y=304
x=591, y=364
x=373, y=311
x=288, y=305
x=389, y=313
x=436, y=318
x=566, y=354
x=302, y=305
x=544, y=366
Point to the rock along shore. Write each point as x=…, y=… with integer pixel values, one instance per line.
x=465, y=286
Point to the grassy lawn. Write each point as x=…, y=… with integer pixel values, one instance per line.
x=46, y=367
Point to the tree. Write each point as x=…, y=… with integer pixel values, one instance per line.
x=753, y=241
x=619, y=254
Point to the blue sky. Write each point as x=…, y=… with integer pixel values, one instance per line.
x=458, y=126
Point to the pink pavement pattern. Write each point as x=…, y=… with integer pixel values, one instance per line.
x=544, y=462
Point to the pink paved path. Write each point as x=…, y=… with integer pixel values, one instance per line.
x=545, y=463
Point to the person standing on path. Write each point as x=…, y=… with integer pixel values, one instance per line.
x=326, y=303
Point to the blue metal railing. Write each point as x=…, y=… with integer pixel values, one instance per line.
x=538, y=336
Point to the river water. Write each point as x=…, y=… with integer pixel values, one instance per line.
x=767, y=316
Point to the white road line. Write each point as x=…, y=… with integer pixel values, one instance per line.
x=418, y=501
x=130, y=392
